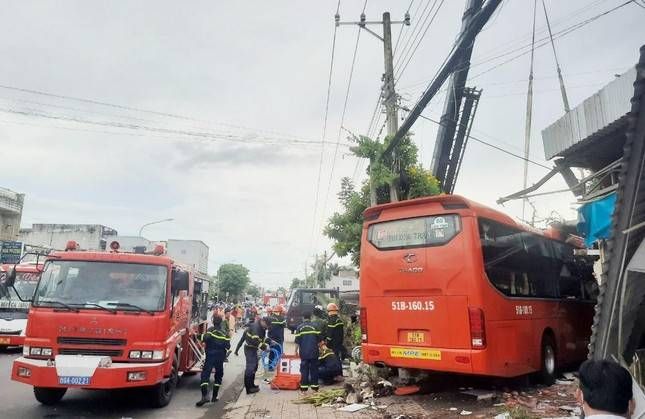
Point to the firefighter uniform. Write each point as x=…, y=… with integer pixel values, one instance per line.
x=307, y=339
x=254, y=338
x=335, y=335
x=276, y=332
x=217, y=344
x=329, y=366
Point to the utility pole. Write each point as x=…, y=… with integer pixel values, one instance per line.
x=389, y=92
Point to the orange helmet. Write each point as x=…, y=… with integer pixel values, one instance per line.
x=278, y=309
x=332, y=307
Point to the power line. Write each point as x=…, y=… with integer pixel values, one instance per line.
x=324, y=130
x=411, y=55
x=342, y=118
x=414, y=32
x=204, y=135
x=135, y=109
x=492, y=145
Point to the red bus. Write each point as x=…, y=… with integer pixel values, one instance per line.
x=451, y=285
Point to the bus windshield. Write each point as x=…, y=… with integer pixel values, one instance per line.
x=97, y=285
x=25, y=284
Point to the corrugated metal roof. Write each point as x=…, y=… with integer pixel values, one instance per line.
x=596, y=112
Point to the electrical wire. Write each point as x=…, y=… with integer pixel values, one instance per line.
x=409, y=59
x=409, y=42
x=342, y=118
x=498, y=148
x=324, y=131
x=398, y=38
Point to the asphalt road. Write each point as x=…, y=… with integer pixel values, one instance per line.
x=17, y=399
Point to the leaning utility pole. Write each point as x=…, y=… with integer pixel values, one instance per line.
x=455, y=92
x=389, y=93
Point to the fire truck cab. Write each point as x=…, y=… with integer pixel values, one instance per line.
x=110, y=320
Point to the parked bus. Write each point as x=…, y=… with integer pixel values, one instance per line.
x=13, y=312
x=451, y=285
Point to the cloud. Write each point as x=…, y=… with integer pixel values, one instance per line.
x=201, y=156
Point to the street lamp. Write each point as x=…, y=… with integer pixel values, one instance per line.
x=154, y=222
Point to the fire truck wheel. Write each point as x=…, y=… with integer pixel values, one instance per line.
x=548, y=365
x=49, y=396
x=162, y=392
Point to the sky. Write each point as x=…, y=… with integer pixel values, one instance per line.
x=213, y=113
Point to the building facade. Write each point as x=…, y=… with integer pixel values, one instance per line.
x=56, y=236
x=345, y=280
x=193, y=253
x=11, y=204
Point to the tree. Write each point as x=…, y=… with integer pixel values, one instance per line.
x=281, y=291
x=399, y=177
x=296, y=283
x=232, y=280
x=253, y=290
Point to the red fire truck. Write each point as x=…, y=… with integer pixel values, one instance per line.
x=13, y=312
x=110, y=320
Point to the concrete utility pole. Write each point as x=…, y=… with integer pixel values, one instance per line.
x=452, y=106
x=388, y=90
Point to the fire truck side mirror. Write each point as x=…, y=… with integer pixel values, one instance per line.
x=10, y=278
x=179, y=281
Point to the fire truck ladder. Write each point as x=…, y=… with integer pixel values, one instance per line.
x=198, y=354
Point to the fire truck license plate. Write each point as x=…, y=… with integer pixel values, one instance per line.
x=416, y=337
x=4, y=341
x=74, y=381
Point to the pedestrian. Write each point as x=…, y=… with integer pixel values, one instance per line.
x=329, y=365
x=335, y=331
x=276, y=331
x=254, y=338
x=217, y=343
x=605, y=390
x=307, y=340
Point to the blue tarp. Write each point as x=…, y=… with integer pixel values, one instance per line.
x=594, y=219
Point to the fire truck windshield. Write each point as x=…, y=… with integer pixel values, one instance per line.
x=25, y=284
x=96, y=285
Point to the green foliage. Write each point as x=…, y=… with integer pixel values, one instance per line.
x=400, y=171
x=253, y=290
x=296, y=283
x=232, y=280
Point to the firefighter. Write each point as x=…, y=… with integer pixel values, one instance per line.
x=307, y=340
x=329, y=365
x=254, y=338
x=217, y=344
x=335, y=333
x=276, y=330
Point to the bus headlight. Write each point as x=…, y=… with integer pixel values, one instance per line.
x=146, y=354
x=157, y=355
x=25, y=350
x=135, y=354
x=46, y=352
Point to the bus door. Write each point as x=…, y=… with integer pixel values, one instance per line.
x=407, y=268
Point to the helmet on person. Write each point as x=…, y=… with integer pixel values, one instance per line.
x=278, y=309
x=332, y=307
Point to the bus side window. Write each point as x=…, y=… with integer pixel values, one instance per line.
x=505, y=258
x=541, y=267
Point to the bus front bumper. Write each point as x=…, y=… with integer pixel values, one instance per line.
x=11, y=340
x=463, y=361
x=41, y=373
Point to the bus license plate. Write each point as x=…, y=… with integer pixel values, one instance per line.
x=432, y=354
x=416, y=337
x=74, y=381
x=4, y=341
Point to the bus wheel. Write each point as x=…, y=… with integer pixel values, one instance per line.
x=548, y=364
x=161, y=394
x=49, y=396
